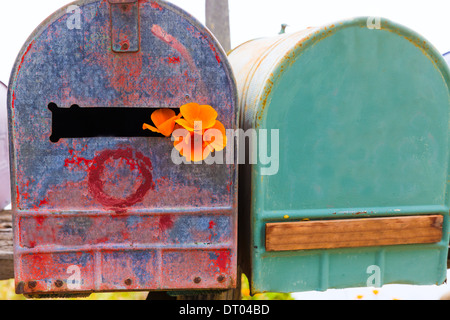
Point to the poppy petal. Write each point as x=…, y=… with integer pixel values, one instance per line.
x=151, y=128
x=216, y=137
x=162, y=115
x=168, y=126
x=194, y=112
x=185, y=124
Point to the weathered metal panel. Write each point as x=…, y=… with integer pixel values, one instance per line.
x=114, y=208
x=362, y=108
x=5, y=187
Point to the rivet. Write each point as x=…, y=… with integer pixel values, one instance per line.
x=20, y=289
x=32, y=284
x=197, y=280
x=128, y=282
x=125, y=46
x=221, y=278
x=59, y=283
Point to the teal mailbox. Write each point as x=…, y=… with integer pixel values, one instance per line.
x=356, y=119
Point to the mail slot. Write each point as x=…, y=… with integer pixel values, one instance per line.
x=5, y=189
x=99, y=203
x=361, y=108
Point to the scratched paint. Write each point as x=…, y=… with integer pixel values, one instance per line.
x=118, y=207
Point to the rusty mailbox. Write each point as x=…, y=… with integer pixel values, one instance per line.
x=360, y=199
x=99, y=204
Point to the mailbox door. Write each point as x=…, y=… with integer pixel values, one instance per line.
x=360, y=197
x=98, y=203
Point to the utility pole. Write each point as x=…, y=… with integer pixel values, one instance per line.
x=218, y=21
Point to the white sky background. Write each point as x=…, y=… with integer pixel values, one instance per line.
x=249, y=19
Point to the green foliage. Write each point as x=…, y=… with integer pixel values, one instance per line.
x=7, y=293
x=263, y=296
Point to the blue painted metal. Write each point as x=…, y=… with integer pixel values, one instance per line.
x=117, y=210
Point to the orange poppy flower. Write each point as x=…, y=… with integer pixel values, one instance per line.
x=216, y=136
x=201, y=120
x=191, y=145
x=197, y=117
x=196, y=130
x=164, y=120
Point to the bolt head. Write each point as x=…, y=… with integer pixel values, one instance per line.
x=197, y=280
x=128, y=282
x=59, y=283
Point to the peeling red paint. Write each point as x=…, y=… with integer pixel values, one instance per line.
x=173, y=60
x=162, y=34
x=78, y=162
x=24, y=55
x=13, y=99
x=216, y=54
x=96, y=184
x=42, y=202
x=165, y=223
x=17, y=197
x=223, y=260
x=39, y=220
x=156, y=5
x=211, y=45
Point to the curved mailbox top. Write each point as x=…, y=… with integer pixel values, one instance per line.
x=76, y=62
x=362, y=108
x=88, y=179
x=5, y=189
x=362, y=115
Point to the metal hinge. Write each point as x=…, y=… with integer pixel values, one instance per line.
x=125, y=26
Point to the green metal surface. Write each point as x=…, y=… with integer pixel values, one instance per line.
x=363, y=119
